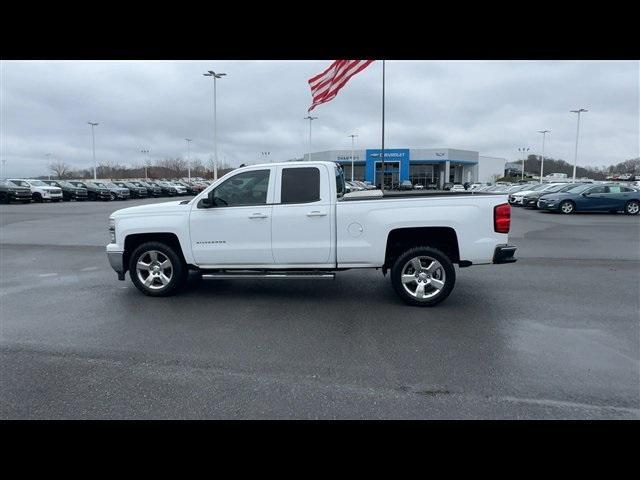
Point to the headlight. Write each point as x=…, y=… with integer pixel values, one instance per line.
x=112, y=229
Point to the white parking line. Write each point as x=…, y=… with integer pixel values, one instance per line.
x=87, y=269
x=47, y=274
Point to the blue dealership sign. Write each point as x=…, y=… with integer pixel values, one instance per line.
x=394, y=158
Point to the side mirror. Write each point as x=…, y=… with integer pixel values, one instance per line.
x=208, y=201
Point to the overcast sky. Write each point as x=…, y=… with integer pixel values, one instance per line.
x=491, y=107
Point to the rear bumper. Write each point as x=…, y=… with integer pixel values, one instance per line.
x=504, y=254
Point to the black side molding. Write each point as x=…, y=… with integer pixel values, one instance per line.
x=504, y=254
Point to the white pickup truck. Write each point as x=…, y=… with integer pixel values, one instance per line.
x=293, y=220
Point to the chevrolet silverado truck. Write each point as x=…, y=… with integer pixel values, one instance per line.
x=294, y=220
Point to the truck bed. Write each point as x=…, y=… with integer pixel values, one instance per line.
x=387, y=194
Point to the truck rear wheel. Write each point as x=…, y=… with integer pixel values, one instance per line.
x=156, y=269
x=423, y=276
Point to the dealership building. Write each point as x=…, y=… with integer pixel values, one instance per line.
x=426, y=166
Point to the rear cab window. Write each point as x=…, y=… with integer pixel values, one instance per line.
x=300, y=185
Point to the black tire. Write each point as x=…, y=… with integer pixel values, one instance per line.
x=446, y=270
x=4, y=199
x=567, y=207
x=178, y=270
x=632, y=207
x=113, y=196
x=37, y=197
x=25, y=201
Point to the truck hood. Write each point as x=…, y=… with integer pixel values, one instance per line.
x=154, y=208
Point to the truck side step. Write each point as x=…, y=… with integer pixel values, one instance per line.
x=268, y=274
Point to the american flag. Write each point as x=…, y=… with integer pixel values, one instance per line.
x=325, y=86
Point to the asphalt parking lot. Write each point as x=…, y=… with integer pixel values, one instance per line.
x=555, y=335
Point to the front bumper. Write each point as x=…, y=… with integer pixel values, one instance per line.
x=504, y=254
x=547, y=205
x=19, y=196
x=531, y=202
x=116, y=260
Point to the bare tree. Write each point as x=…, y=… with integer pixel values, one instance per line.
x=60, y=169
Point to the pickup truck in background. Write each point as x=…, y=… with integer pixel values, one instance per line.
x=294, y=220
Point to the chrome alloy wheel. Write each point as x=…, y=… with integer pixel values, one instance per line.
x=154, y=269
x=423, y=277
x=567, y=207
x=633, y=208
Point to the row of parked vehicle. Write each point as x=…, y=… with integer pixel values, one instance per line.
x=568, y=198
x=25, y=190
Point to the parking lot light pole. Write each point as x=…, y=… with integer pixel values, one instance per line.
x=352, y=148
x=93, y=143
x=575, y=157
x=146, y=163
x=215, y=76
x=311, y=119
x=524, y=156
x=544, y=134
x=188, y=140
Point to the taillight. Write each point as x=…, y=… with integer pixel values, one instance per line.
x=502, y=218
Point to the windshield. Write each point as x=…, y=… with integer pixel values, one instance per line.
x=77, y=184
x=111, y=185
x=340, y=184
x=20, y=183
x=38, y=183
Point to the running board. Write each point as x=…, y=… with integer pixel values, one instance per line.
x=269, y=274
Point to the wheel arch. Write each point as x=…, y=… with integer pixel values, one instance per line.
x=399, y=240
x=132, y=241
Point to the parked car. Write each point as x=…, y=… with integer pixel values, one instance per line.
x=94, y=192
x=531, y=199
x=517, y=198
x=405, y=185
x=11, y=192
x=190, y=188
x=593, y=198
x=69, y=191
x=457, y=188
x=117, y=193
x=244, y=227
x=134, y=190
x=166, y=187
x=181, y=189
x=152, y=190
x=40, y=191
x=355, y=187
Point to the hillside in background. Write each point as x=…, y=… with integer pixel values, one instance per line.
x=552, y=165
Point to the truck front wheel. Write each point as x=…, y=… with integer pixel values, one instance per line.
x=156, y=269
x=423, y=276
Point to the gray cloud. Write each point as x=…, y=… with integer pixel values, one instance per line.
x=492, y=107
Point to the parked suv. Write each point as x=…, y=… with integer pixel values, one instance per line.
x=135, y=191
x=166, y=187
x=94, y=192
x=40, y=191
x=117, y=192
x=152, y=190
x=10, y=192
x=69, y=191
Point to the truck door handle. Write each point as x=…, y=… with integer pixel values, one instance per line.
x=258, y=215
x=317, y=213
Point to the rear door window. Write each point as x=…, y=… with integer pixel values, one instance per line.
x=300, y=185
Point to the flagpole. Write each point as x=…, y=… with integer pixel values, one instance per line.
x=383, y=162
